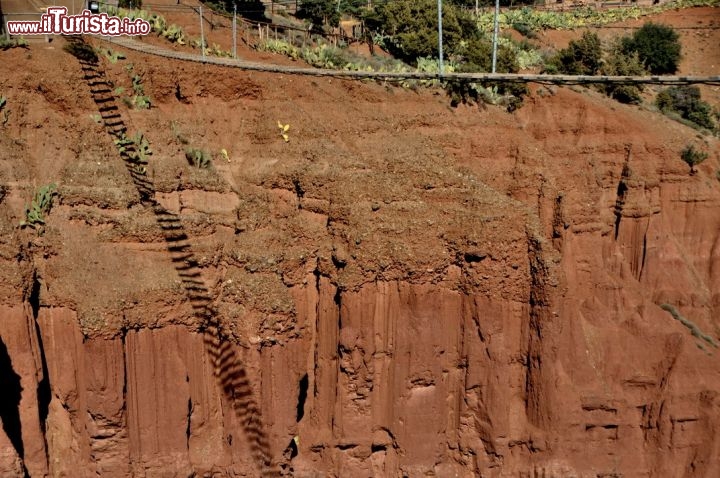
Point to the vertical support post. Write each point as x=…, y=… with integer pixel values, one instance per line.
x=235, y=30
x=202, y=34
x=495, y=36
x=440, y=39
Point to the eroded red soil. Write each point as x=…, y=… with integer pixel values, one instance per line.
x=415, y=290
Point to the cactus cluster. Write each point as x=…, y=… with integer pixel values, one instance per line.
x=40, y=206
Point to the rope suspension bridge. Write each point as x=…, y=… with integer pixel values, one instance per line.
x=136, y=45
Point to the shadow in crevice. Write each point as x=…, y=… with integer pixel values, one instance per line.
x=228, y=367
x=302, y=397
x=10, y=394
x=43, y=388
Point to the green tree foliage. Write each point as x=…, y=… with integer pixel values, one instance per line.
x=252, y=9
x=130, y=4
x=685, y=101
x=692, y=157
x=619, y=63
x=410, y=28
x=581, y=57
x=658, y=47
x=319, y=13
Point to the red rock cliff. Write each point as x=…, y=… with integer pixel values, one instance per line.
x=411, y=291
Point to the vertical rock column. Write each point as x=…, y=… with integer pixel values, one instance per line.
x=21, y=373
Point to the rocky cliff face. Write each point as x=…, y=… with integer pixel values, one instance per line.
x=411, y=291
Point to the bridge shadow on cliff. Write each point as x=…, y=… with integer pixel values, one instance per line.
x=229, y=370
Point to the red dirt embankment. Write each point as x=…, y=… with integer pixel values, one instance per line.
x=415, y=290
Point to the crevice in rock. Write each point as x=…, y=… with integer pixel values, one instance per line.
x=619, y=204
x=316, y=357
x=187, y=428
x=123, y=336
x=34, y=298
x=44, y=394
x=292, y=450
x=622, y=191
x=558, y=223
x=10, y=401
x=302, y=397
x=337, y=298
x=644, y=254
x=43, y=390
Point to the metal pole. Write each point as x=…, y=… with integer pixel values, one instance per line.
x=235, y=30
x=202, y=35
x=495, y=36
x=440, y=39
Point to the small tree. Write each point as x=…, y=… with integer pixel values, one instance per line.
x=319, y=13
x=686, y=102
x=658, y=47
x=581, y=57
x=410, y=29
x=619, y=63
x=693, y=157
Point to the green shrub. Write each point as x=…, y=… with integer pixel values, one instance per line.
x=409, y=29
x=619, y=63
x=522, y=54
x=6, y=44
x=581, y=57
x=658, y=47
x=179, y=135
x=198, y=158
x=505, y=94
x=692, y=157
x=524, y=29
x=582, y=17
x=112, y=56
x=130, y=4
x=319, y=13
x=137, y=150
x=252, y=9
x=140, y=100
x=686, y=102
x=42, y=202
